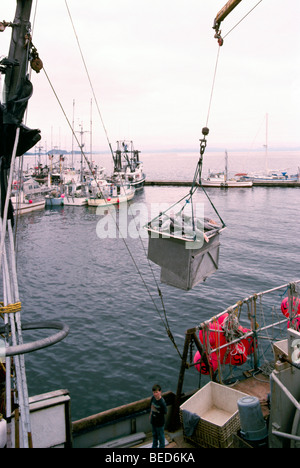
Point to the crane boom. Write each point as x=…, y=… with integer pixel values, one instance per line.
x=230, y=5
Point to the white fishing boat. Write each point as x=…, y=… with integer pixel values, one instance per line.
x=221, y=179
x=30, y=197
x=75, y=193
x=22, y=204
x=128, y=168
x=76, y=199
x=108, y=193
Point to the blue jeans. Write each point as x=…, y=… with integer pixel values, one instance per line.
x=158, y=434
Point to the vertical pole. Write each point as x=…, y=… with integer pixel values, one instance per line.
x=73, y=134
x=17, y=319
x=18, y=51
x=91, y=133
x=175, y=414
x=14, y=79
x=254, y=328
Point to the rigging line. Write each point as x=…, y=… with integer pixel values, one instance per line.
x=89, y=78
x=155, y=280
x=213, y=86
x=166, y=325
x=72, y=130
x=242, y=19
x=160, y=294
x=76, y=138
x=140, y=274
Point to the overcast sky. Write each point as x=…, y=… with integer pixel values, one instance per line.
x=151, y=63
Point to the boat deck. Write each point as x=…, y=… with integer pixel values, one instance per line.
x=255, y=385
x=174, y=440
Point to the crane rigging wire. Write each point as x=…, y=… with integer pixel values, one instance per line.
x=239, y=22
x=218, y=56
x=164, y=320
x=89, y=78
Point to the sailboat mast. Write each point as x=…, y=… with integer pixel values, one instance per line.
x=73, y=134
x=91, y=132
x=266, y=145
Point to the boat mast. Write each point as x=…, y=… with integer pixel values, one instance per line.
x=226, y=167
x=266, y=145
x=91, y=132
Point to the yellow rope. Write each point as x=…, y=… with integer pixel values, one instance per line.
x=10, y=308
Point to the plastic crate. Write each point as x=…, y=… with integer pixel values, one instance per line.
x=216, y=405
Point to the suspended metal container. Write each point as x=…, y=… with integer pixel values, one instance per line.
x=184, y=245
x=183, y=266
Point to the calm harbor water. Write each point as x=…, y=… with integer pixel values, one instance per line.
x=117, y=346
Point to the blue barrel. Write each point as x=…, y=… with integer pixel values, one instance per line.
x=253, y=425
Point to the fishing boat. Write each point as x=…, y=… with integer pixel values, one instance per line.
x=221, y=179
x=249, y=360
x=106, y=193
x=76, y=194
x=54, y=198
x=29, y=197
x=23, y=204
x=77, y=184
x=127, y=165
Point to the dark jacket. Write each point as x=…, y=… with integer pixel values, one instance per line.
x=158, y=411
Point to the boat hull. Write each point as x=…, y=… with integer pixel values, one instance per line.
x=23, y=208
x=138, y=185
x=54, y=201
x=75, y=201
x=228, y=184
x=94, y=201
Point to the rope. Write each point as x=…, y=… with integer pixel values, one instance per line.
x=89, y=78
x=10, y=308
x=242, y=19
x=72, y=130
x=213, y=85
x=165, y=320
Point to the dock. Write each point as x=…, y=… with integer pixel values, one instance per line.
x=183, y=183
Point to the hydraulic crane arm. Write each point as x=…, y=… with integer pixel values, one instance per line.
x=230, y=5
x=225, y=12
